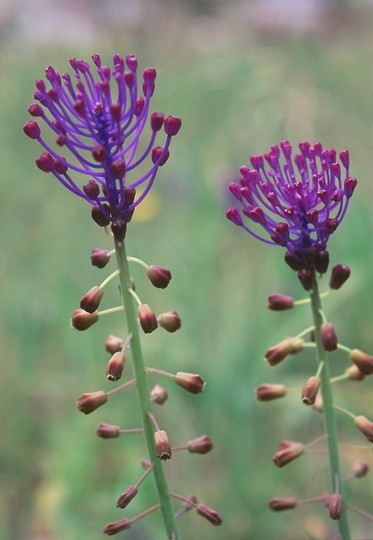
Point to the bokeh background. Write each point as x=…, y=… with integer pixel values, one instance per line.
x=242, y=75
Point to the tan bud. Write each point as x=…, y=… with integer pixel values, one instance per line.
x=192, y=382
x=365, y=426
x=91, y=401
x=211, y=515
x=162, y=445
x=279, y=352
x=107, y=431
x=148, y=320
x=114, y=367
x=287, y=451
x=200, y=445
x=158, y=394
x=334, y=503
x=279, y=302
x=354, y=373
x=113, y=344
x=362, y=360
x=160, y=277
x=278, y=504
x=91, y=300
x=318, y=404
x=360, y=469
x=328, y=337
x=268, y=392
x=117, y=526
x=310, y=389
x=81, y=320
x=126, y=497
x=170, y=321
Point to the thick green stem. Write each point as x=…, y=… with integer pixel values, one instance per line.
x=143, y=394
x=329, y=414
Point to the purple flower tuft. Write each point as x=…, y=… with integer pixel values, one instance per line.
x=98, y=121
x=299, y=201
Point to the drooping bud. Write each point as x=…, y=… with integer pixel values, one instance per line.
x=287, y=451
x=81, y=320
x=279, y=302
x=99, y=217
x=113, y=344
x=160, y=277
x=334, y=503
x=170, y=321
x=279, y=504
x=172, y=125
x=158, y=394
x=114, y=367
x=328, y=337
x=354, y=373
x=148, y=320
x=99, y=257
x=91, y=401
x=117, y=526
x=162, y=445
x=277, y=353
x=318, y=404
x=362, y=360
x=211, y=515
x=365, y=426
x=306, y=277
x=192, y=382
x=200, y=445
x=340, y=274
x=126, y=497
x=310, y=389
x=107, y=431
x=360, y=469
x=91, y=300
x=268, y=392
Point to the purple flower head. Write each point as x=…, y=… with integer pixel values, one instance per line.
x=97, y=123
x=298, y=201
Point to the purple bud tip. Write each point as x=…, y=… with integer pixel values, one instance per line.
x=99, y=153
x=172, y=125
x=156, y=121
x=345, y=158
x=234, y=216
x=157, y=158
x=349, y=186
x=149, y=76
x=60, y=166
x=118, y=168
x=32, y=129
x=131, y=62
x=139, y=106
x=45, y=162
x=35, y=110
x=91, y=189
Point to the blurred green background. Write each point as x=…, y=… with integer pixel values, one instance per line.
x=242, y=75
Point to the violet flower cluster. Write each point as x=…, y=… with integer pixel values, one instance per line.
x=299, y=201
x=99, y=126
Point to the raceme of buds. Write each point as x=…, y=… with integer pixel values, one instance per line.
x=287, y=451
x=158, y=394
x=117, y=526
x=365, y=426
x=99, y=257
x=107, y=431
x=126, y=497
x=81, y=320
x=277, y=353
x=192, y=382
x=114, y=367
x=268, y=392
x=279, y=504
x=362, y=360
x=91, y=401
x=328, y=337
x=162, y=445
x=339, y=276
x=113, y=344
x=200, y=445
x=148, y=320
x=334, y=503
x=208, y=513
x=310, y=389
x=91, y=300
x=280, y=302
x=160, y=277
x=170, y=321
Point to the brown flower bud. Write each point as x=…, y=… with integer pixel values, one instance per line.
x=362, y=360
x=158, y=394
x=114, y=368
x=91, y=300
x=160, y=277
x=107, y=431
x=148, y=320
x=334, y=503
x=200, y=445
x=360, y=469
x=310, y=389
x=91, y=401
x=126, y=497
x=81, y=320
x=162, y=445
x=279, y=302
x=192, y=382
x=117, y=526
x=287, y=451
x=354, y=373
x=170, y=321
x=340, y=274
x=113, y=344
x=365, y=426
x=328, y=337
x=268, y=392
x=208, y=513
x=318, y=404
x=99, y=257
x=306, y=277
x=277, y=353
x=282, y=503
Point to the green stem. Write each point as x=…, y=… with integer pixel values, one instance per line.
x=143, y=394
x=329, y=414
